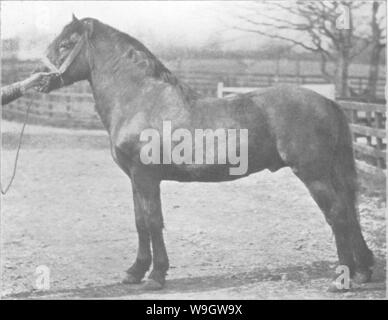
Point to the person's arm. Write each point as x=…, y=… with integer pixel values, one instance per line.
x=11, y=92
x=16, y=90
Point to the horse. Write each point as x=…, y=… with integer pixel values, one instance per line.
x=287, y=127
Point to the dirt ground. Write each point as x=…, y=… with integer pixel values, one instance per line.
x=71, y=209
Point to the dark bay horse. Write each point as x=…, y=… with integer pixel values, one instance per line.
x=288, y=126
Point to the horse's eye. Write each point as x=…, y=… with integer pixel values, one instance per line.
x=65, y=45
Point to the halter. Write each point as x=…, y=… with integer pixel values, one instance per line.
x=68, y=61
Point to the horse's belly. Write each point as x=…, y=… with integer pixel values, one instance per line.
x=201, y=173
x=256, y=161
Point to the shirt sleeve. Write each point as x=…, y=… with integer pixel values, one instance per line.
x=10, y=93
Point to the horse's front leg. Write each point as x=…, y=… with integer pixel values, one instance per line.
x=143, y=260
x=149, y=222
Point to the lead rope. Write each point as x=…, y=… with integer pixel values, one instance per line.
x=4, y=191
x=68, y=61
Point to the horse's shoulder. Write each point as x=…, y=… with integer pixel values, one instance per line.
x=125, y=133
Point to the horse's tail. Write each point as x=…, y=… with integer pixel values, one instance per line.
x=344, y=164
x=344, y=179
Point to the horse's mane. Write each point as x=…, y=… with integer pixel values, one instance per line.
x=140, y=55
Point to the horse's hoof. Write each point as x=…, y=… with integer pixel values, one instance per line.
x=131, y=279
x=152, y=285
x=362, y=277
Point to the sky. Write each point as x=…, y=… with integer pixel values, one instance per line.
x=189, y=23
x=155, y=23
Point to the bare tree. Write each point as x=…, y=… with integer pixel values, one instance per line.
x=325, y=28
x=377, y=43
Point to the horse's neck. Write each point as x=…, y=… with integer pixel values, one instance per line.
x=117, y=83
x=113, y=81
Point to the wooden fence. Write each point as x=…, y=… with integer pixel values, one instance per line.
x=368, y=123
x=59, y=108
x=206, y=81
x=326, y=89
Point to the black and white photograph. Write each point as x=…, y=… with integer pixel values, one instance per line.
x=193, y=150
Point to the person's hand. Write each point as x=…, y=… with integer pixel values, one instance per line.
x=50, y=82
x=44, y=81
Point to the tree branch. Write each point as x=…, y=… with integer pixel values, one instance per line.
x=277, y=36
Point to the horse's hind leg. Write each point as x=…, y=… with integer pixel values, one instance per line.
x=344, y=183
x=334, y=208
x=338, y=206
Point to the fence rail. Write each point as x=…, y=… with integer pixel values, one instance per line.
x=60, y=108
x=325, y=89
x=367, y=122
x=206, y=81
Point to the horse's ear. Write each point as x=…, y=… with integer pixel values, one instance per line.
x=75, y=19
x=89, y=27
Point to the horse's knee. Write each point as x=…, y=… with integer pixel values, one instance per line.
x=141, y=225
x=154, y=223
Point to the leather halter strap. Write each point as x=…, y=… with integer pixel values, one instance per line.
x=68, y=61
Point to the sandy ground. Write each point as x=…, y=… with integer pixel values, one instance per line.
x=71, y=210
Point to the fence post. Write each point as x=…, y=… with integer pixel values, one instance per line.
x=368, y=118
x=220, y=89
x=50, y=108
x=354, y=119
x=359, y=85
x=47, y=102
x=379, y=141
x=298, y=79
x=270, y=80
x=68, y=107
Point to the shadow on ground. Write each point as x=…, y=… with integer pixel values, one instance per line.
x=298, y=274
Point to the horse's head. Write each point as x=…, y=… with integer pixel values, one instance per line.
x=68, y=53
